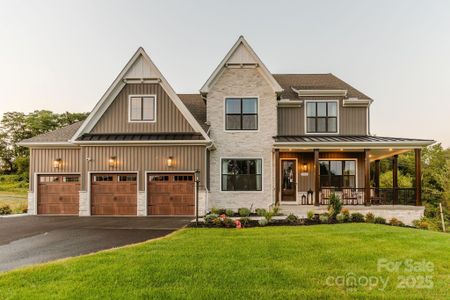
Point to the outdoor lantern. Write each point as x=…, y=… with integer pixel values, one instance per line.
x=170, y=161
x=197, y=175
x=113, y=161
x=305, y=167
x=197, y=183
x=57, y=163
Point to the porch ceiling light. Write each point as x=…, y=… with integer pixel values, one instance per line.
x=170, y=161
x=112, y=161
x=57, y=163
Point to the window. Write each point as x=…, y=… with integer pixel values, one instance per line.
x=98, y=178
x=241, y=114
x=241, y=174
x=183, y=178
x=48, y=179
x=158, y=178
x=142, y=108
x=71, y=179
x=127, y=177
x=321, y=117
x=338, y=173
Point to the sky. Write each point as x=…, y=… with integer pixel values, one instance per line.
x=63, y=55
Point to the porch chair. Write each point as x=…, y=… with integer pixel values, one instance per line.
x=374, y=199
x=325, y=194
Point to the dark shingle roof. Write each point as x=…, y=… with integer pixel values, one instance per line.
x=141, y=136
x=314, y=82
x=344, y=139
x=197, y=107
x=59, y=135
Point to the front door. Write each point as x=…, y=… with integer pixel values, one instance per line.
x=288, y=180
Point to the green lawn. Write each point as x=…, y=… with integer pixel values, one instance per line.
x=16, y=201
x=259, y=263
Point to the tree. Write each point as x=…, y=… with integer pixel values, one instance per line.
x=17, y=126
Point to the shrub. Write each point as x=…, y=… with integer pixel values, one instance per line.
x=310, y=214
x=370, y=217
x=335, y=206
x=268, y=215
x=229, y=213
x=217, y=221
x=346, y=214
x=276, y=210
x=244, y=221
x=210, y=217
x=263, y=222
x=380, y=220
x=291, y=218
x=5, y=210
x=244, y=212
x=227, y=222
x=215, y=211
x=324, y=219
x=357, y=217
x=395, y=222
x=221, y=211
x=422, y=224
x=340, y=218
x=260, y=212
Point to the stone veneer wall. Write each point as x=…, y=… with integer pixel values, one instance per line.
x=250, y=144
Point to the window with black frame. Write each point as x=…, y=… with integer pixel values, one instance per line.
x=241, y=174
x=321, y=117
x=241, y=114
x=338, y=173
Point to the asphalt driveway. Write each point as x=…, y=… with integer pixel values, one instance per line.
x=34, y=239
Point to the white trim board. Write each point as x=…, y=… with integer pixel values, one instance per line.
x=119, y=83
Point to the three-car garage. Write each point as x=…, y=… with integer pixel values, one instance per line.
x=115, y=194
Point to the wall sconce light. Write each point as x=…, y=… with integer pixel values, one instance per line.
x=112, y=161
x=57, y=163
x=305, y=167
x=170, y=161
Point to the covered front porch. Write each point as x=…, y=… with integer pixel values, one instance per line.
x=308, y=170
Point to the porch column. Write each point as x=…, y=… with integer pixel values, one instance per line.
x=418, y=177
x=376, y=180
x=277, y=176
x=395, y=179
x=366, y=177
x=316, y=177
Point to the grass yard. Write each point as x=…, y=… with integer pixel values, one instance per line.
x=16, y=201
x=258, y=263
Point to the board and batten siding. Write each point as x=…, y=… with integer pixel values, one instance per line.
x=41, y=161
x=352, y=120
x=146, y=158
x=168, y=117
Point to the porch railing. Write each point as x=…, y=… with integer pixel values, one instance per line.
x=378, y=196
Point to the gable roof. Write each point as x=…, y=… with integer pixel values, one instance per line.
x=58, y=136
x=140, y=68
x=314, y=82
x=241, y=54
x=197, y=107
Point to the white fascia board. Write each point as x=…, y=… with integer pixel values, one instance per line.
x=117, y=86
x=34, y=144
x=269, y=77
x=355, y=102
x=290, y=103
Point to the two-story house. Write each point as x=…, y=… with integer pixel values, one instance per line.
x=251, y=138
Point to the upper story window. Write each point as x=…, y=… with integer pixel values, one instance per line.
x=321, y=116
x=241, y=114
x=142, y=108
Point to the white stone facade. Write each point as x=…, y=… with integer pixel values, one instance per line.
x=141, y=203
x=237, y=82
x=31, y=204
x=85, y=209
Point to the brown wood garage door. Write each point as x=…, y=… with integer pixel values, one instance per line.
x=171, y=194
x=58, y=194
x=114, y=194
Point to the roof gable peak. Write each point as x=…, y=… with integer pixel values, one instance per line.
x=241, y=55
